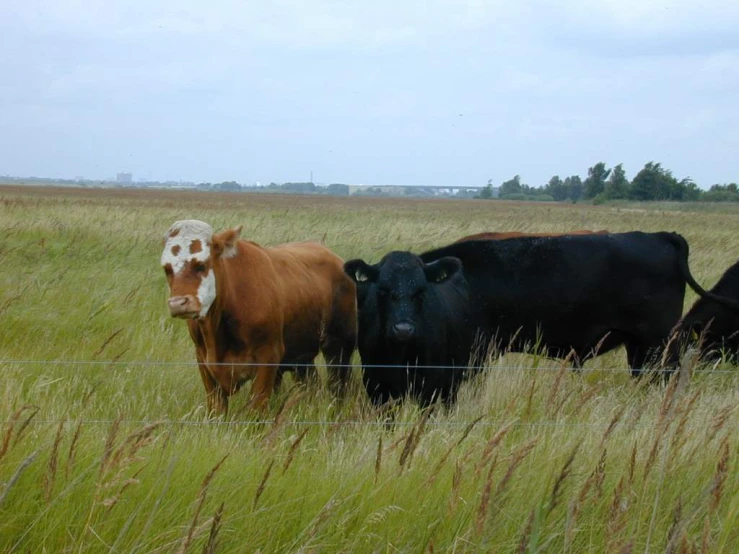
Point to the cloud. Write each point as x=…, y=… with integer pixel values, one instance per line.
x=406, y=92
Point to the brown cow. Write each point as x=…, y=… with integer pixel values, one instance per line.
x=515, y=234
x=270, y=308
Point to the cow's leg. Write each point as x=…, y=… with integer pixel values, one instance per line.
x=302, y=369
x=216, y=397
x=305, y=371
x=339, y=339
x=278, y=376
x=266, y=357
x=338, y=355
x=640, y=352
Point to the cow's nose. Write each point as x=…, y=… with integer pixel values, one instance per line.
x=182, y=306
x=404, y=330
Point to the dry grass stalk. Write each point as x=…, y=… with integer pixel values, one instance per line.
x=201, y=500
x=263, y=483
x=50, y=475
x=113, y=500
x=562, y=401
x=678, y=438
x=636, y=415
x=653, y=453
x=588, y=395
x=126, y=453
x=556, y=490
x=523, y=542
x=492, y=444
x=557, y=382
x=378, y=459
x=414, y=437
x=686, y=546
x=719, y=478
x=456, y=445
x=109, y=443
x=595, y=479
x=666, y=409
x=407, y=448
x=675, y=527
x=215, y=526
x=632, y=464
x=612, y=425
x=530, y=397
x=123, y=458
x=281, y=416
x=11, y=426
x=25, y=424
x=320, y=518
x=16, y=475
x=706, y=536
x=719, y=421
x=616, y=514
x=516, y=459
x=72, y=450
x=293, y=449
x=106, y=342
x=456, y=484
x=482, y=509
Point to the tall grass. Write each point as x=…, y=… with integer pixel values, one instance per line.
x=118, y=455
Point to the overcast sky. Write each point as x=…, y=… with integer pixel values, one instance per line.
x=384, y=92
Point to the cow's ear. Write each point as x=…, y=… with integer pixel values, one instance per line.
x=360, y=271
x=442, y=269
x=224, y=243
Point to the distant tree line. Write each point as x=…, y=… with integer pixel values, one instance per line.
x=653, y=182
x=335, y=189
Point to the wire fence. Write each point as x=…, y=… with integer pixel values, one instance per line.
x=328, y=423
x=376, y=422
x=482, y=367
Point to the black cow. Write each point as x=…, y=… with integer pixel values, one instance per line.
x=412, y=314
x=578, y=294
x=716, y=326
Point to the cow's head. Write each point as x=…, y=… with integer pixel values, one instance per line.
x=400, y=284
x=191, y=252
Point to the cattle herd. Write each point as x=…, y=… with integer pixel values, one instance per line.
x=425, y=322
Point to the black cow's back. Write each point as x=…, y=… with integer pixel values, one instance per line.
x=575, y=292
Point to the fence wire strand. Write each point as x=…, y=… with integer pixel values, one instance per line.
x=149, y=364
x=482, y=367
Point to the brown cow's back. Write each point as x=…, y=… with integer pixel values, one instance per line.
x=274, y=308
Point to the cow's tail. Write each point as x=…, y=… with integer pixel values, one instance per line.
x=683, y=251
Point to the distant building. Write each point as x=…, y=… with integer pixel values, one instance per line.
x=124, y=178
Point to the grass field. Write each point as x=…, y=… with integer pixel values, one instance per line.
x=114, y=453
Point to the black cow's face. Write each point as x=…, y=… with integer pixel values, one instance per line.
x=399, y=285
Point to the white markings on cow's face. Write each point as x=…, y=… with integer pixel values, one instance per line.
x=186, y=257
x=207, y=292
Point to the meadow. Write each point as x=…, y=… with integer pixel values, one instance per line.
x=105, y=445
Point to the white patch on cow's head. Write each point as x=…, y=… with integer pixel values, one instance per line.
x=207, y=292
x=179, y=239
x=189, y=241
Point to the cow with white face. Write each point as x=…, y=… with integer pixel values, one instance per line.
x=186, y=262
x=254, y=311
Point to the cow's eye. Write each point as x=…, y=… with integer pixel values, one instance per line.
x=200, y=268
x=168, y=269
